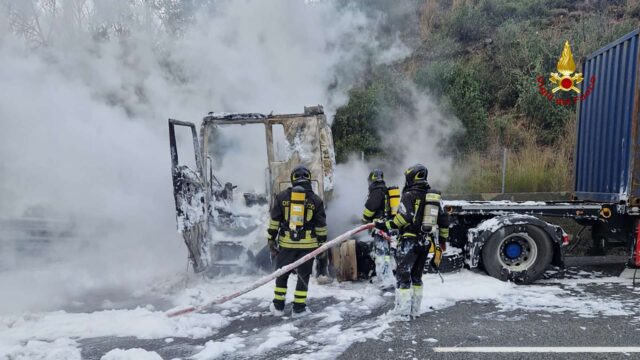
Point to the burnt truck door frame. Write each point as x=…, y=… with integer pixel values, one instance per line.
x=273, y=186
x=318, y=179
x=268, y=130
x=190, y=193
x=210, y=123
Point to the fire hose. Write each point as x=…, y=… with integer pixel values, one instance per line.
x=283, y=270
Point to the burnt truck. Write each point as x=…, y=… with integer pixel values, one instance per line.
x=227, y=236
x=513, y=240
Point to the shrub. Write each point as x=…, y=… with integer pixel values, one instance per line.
x=435, y=76
x=467, y=25
x=464, y=91
x=357, y=125
x=354, y=127
x=548, y=118
x=633, y=9
x=509, y=131
x=468, y=98
x=468, y=22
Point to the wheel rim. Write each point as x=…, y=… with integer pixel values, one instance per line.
x=517, y=252
x=513, y=250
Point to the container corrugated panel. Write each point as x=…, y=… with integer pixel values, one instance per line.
x=607, y=158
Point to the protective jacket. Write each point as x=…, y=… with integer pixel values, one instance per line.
x=314, y=229
x=376, y=206
x=410, y=214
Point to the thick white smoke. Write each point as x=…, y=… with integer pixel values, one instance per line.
x=416, y=135
x=87, y=90
x=421, y=135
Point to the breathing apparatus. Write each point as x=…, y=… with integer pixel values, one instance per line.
x=297, y=211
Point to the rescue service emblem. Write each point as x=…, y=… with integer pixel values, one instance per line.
x=565, y=80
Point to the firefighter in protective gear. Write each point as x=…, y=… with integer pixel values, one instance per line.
x=378, y=207
x=297, y=227
x=422, y=223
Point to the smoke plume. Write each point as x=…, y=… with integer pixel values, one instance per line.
x=419, y=133
x=88, y=87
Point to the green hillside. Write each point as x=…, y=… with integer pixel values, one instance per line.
x=479, y=61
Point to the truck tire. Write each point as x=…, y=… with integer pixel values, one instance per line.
x=518, y=253
x=449, y=263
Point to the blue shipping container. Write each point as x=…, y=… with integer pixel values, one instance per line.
x=607, y=157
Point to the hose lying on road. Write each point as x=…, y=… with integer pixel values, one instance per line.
x=281, y=271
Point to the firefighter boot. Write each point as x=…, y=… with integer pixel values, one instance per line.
x=403, y=304
x=416, y=301
x=277, y=305
x=275, y=311
x=298, y=314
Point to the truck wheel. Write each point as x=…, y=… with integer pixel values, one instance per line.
x=518, y=253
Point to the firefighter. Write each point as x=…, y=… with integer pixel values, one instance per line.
x=297, y=227
x=378, y=207
x=423, y=224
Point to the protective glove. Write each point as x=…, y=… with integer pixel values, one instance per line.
x=380, y=224
x=437, y=256
x=322, y=239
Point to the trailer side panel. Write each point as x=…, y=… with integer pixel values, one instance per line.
x=607, y=158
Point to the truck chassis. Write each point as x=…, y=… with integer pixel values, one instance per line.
x=513, y=240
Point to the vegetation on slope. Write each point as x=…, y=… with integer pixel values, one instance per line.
x=479, y=61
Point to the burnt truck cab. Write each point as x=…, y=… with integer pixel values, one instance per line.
x=218, y=237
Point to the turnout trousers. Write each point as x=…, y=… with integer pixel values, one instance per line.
x=380, y=246
x=285, y=257
x=382, y=258
x=411, y=257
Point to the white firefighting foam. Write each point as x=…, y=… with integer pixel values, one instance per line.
x=327, y=332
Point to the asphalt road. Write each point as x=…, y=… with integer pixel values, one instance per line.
x=465, y=325
x=483, y=325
